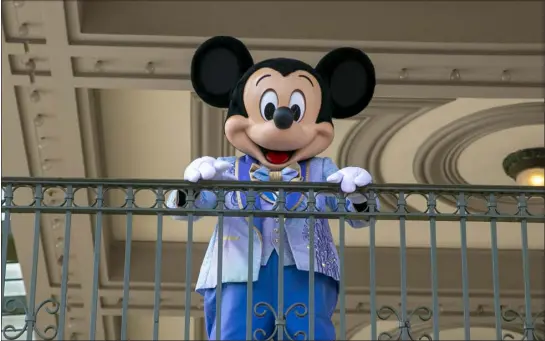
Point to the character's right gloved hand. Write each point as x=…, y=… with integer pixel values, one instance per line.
x=208, y=168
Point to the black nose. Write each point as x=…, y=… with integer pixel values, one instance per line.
x=283, y=118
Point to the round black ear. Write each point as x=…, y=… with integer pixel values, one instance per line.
x=217, y=66
x=350, y=75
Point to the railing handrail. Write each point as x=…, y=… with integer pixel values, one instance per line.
x=316, y=186
x=432, y=193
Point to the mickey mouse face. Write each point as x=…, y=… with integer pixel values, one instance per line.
x=281, y=110
x=280, y=125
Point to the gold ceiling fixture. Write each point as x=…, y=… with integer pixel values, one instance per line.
x=526, y=166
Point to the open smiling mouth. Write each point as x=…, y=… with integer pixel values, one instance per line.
x=277, y=157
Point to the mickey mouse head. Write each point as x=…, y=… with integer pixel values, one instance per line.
x=280, y=110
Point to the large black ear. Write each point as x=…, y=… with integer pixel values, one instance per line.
x=350, y=75
x=217, y=66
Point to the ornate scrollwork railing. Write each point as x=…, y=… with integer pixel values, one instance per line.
x=10, y=332
x=528, y=324
x=428, y=204
x=423, y=313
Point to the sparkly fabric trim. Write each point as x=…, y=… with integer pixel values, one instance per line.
x=327, y=259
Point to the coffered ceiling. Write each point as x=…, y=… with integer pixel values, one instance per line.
x=101, y=89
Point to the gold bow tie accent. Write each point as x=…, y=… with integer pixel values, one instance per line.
x=277, y=175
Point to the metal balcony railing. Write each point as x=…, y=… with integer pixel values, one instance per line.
x=92, y=197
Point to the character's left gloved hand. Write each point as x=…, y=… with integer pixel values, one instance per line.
x=350, y=178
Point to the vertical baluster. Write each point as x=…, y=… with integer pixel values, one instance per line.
x=372, y=283
x=160, y=200
x=250, y=282
x=462, y=211
x=433, y=254
x=6, y=222
x=403, y=263
x=495, y=266
x=219, y=275
x=312, y=256
x=188, y=254
x=96, y=265
x=127, y=266
x=31, y=314
x=342, y=284
x=528, y=323
x=280, y=309
x=65, y=260
x=6, y=229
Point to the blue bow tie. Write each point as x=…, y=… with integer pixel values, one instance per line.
x=260, y=173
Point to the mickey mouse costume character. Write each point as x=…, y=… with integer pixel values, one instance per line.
x=280, y=114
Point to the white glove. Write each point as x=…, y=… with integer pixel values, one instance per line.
x=350, y=178
x=208, y=168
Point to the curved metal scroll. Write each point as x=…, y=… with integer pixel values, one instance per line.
x=385, y=312
x=299, y=309
x=510, y=315
x=12, y=304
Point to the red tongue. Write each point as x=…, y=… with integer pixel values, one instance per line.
x=277, y=158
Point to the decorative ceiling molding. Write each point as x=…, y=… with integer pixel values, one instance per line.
x=61, y=139
x=207, y=136
x=89, y=114
x=495, y=65
x=65, y=109
x=364, y=144
x=16, y=161
x=463, y=22
x=381, y=106
x=428, y=73
x=437, y=159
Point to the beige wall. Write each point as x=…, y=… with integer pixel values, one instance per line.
x=140, y=327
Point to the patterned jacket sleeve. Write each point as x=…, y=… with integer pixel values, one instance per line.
x=329, y=167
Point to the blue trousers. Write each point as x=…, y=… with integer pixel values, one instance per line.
x=265, y=289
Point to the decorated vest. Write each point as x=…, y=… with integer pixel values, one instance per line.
x=267, y=200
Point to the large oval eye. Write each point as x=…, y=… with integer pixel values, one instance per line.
x=297, y=105
x=268, y=104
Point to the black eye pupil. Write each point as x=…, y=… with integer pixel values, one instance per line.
x=296, y=112
x=269, y=111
